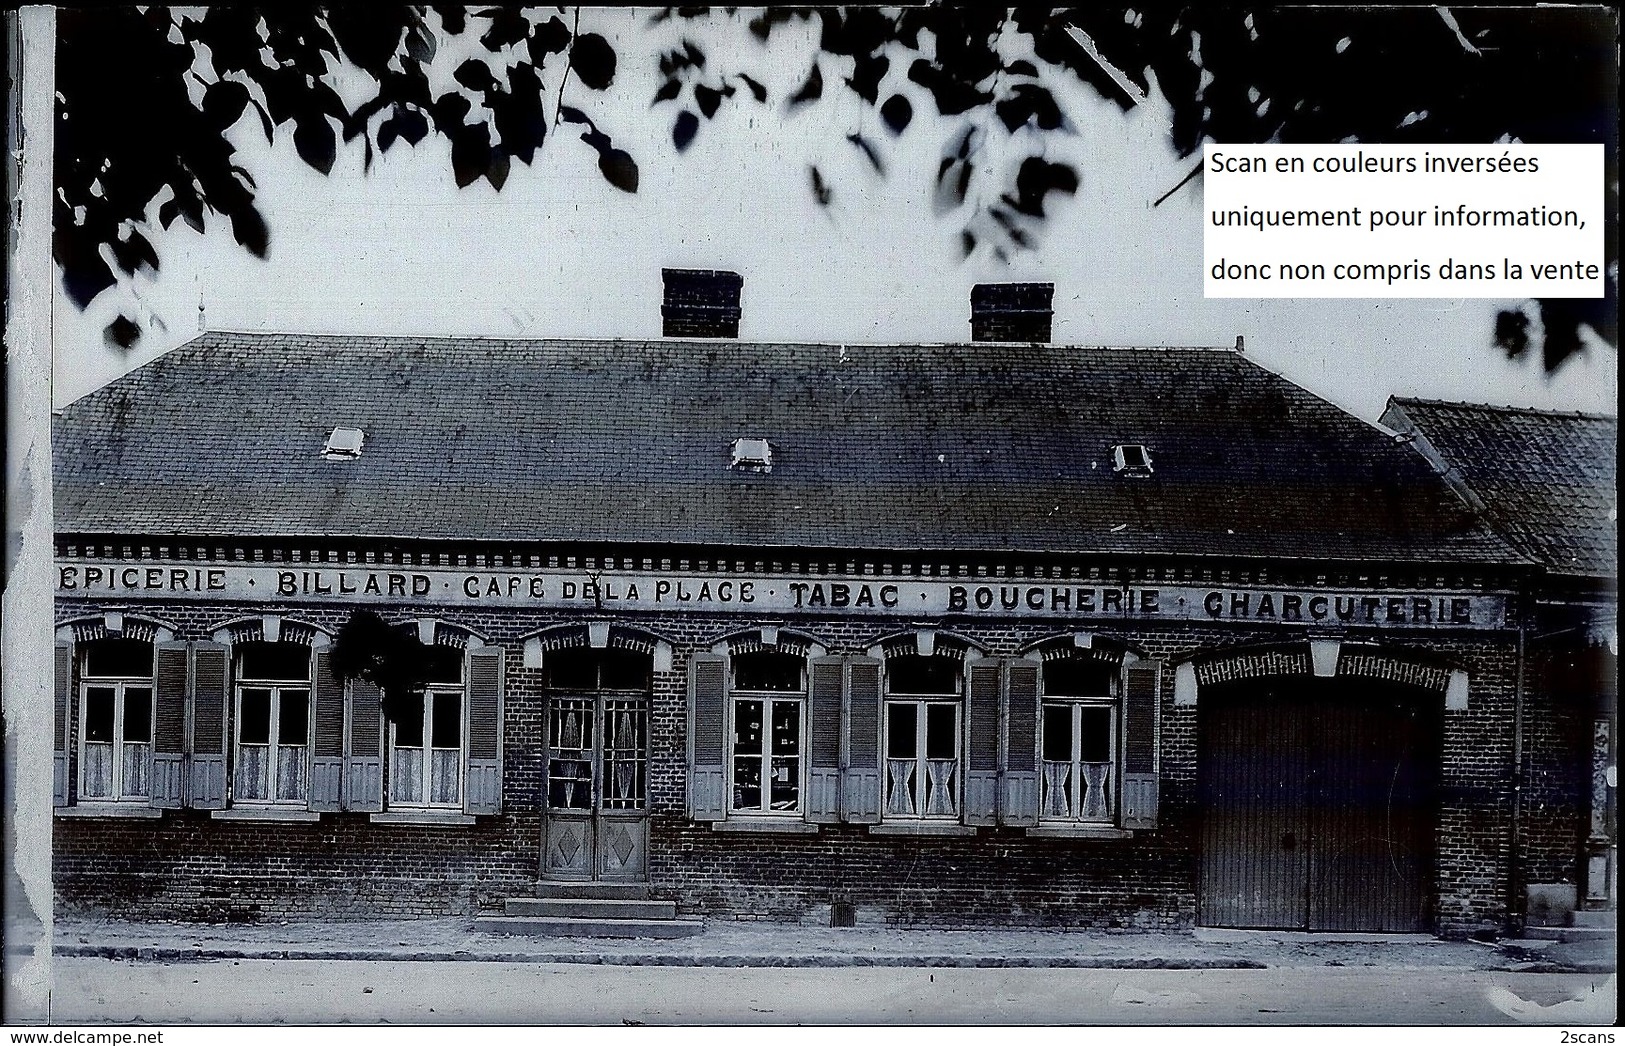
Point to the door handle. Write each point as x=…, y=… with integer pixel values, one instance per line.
x=1289, y=841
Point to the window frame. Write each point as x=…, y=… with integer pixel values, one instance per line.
x=119, y=683
x=1112, y=703
x=273, y=744
x=768, y=699
x=922, y=703
x=431, y=693
x=597, y=697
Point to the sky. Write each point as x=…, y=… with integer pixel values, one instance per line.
x=560, y=253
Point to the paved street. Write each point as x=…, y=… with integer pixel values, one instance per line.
x=300, y=991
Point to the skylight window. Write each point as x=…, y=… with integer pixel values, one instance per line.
x=1131, y=459
x=343, y=444
x=752, y=455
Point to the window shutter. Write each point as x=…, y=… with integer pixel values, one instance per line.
x=206, y=775
x=860, y=787
x=166, y=787
x=707, y=719
x=363, y=762
x=982, y=742
x=1018, y=799
x=1142, y=685
x=327, y=760
x=64, y=723
x=483, y=791
x=824, y=685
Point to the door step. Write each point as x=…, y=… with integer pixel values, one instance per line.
x=1569, y=934
x=568, y=909
x=595, y=891
x=550, y=926
x=1608, y=918
x=590, y=908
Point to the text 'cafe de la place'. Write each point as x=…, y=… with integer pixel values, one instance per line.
x=953, y=634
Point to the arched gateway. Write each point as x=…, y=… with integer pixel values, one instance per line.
x=1318, y=799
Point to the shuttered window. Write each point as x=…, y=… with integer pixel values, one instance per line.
x=767, y=703
x=707, y=694
x=483, y=786
x=426, y=743
x=1078, y=776
x=271, y=754
x=206, y=771
x=924, y=769
x=115, y=719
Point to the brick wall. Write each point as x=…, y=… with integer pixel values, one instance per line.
x=187, y=865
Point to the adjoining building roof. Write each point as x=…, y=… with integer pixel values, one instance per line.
x=1546, y=479
x=974, y=448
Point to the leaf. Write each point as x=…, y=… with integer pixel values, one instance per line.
x=475, y=75
x=517, y=115
x=123, y=332
x=248, y=228
x=508, y=26
x=708, y=99
x=315, y=142
x=953, y=95
x=867, y=74
x=593, y=60
x=496, y=172
x=619, y=169
x=668, y=90
x=412, y=125
x=757, y=91
x=451, y=17
x=224, y=102
x=868, y=150
x=1037, y=178
x=821, y=191
x=1512, y=332
x=265, y=120
x=897, y=112
x=191, y=209
x=421, y=44
x=683, y=131
x=85, y=277
x=810, y=90
x=470, y=154
x=134, y=253
x=1027, y=102
x=551, y=37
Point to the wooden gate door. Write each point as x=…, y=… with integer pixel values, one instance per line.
x=597, y=809
x=1317, y=805
x=1254, y=763
x=1373, y=797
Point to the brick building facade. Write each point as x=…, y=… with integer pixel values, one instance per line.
x=926, y=634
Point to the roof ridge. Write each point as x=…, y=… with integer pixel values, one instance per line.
x=662, y=340
x=1421, y=401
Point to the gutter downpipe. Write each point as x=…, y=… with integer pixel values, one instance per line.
x=1514, y=856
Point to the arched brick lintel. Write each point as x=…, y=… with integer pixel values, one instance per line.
x=1324, y=658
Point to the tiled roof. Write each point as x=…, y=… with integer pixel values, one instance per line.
x=946, y=447
x=1547, y=479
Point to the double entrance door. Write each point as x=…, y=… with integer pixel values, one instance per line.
x=1318, y=804
x=597, y=794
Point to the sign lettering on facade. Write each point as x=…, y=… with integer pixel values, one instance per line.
x=549, y=589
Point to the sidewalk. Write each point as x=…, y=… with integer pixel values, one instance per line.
x=728, y=943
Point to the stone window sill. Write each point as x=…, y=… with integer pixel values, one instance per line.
x=267, y=813
x=769, y=825
x=109, y=810
x=947, y=828
x=434, y=818
x=1078, y=831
